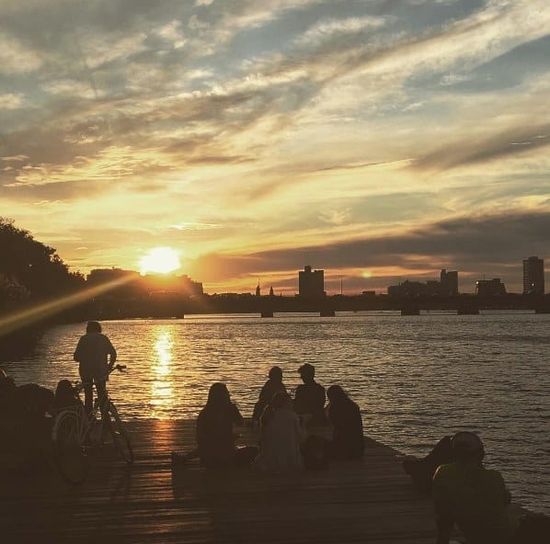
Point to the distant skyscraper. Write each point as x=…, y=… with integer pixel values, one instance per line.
x=533, y=276
x=258, y=289
x=311, y=283
x=449, y=282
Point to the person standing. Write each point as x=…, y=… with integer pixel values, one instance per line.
x=96, y=357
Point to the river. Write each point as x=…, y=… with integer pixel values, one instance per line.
x=415, y=378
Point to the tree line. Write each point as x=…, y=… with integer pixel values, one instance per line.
x=30, y=272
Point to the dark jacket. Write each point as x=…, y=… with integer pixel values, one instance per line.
x=215, y=438
x=310, y=399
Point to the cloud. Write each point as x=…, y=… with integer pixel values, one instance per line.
x=15, y=58
x=299, y=117
x=479, y=244
x=324, y=30
x=474, y=150
x=11, y=101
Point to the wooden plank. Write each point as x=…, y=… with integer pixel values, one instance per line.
x=370, y=500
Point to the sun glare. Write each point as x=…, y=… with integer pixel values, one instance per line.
x=160, y=260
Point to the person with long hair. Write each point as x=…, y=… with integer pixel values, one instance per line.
x=281, y=437
x=345, y=417
x=215, y=439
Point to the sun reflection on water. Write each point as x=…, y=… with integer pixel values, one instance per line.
x=162, y=394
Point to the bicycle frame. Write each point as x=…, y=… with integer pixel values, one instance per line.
x=87, y=422
x=72, y=435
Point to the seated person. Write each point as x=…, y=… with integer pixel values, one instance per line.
x=273, y=385
x=345, y=417
x=281, y=435
x=34, y=401
x=474, y=498
x=215, y=439
x=66, y=396
x=310, y=397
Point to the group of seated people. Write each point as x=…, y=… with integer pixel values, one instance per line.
x=465, y=493
x=286, y=441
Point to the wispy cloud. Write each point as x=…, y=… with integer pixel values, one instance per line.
x=290, y=123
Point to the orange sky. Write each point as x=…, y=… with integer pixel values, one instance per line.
x=378, y=140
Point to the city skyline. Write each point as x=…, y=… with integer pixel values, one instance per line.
x=311, y=283
x=377, y=140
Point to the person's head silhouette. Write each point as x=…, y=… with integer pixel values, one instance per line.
x=276, y=374
x=467, y=448
x=307, y=372
x=218, y=395
x=336, y=394
x=93, y=326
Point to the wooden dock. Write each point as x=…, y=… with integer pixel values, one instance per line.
x=368, y=501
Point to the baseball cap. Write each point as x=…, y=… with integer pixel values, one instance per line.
x=467, y=443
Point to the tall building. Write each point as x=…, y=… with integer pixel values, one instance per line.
x=311, y=283
x=533, y=276
x=448, y=282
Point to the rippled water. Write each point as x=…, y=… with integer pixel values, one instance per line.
x=415, y=378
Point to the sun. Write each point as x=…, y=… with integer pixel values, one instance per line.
x=160, y=260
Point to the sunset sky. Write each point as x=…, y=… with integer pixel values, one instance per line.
x=377, y=139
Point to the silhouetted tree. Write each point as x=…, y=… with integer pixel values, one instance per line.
x=29, y=268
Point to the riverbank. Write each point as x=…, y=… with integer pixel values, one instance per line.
x=366, y=501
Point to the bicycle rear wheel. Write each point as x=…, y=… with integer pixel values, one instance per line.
x=69, y=453
x=120, y=435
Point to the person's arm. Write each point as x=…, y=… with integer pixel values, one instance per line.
x=299, y=400
x=505, y=494
x=443, y=512
x=300, y=430
x=77, y=351
x=237, y=417
x=264, y=394
x=112, y=353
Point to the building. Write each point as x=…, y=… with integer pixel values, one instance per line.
x=490, y=288
x=446, y=286
x=115, y=282
x=413, y=289
x=106, y=275
x=311, y=283
x=448, y=282
x=533, y=276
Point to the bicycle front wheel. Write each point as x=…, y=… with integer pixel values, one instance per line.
x=69, y=452
x=120, y=435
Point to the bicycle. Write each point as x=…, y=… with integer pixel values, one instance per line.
x=75, y=434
